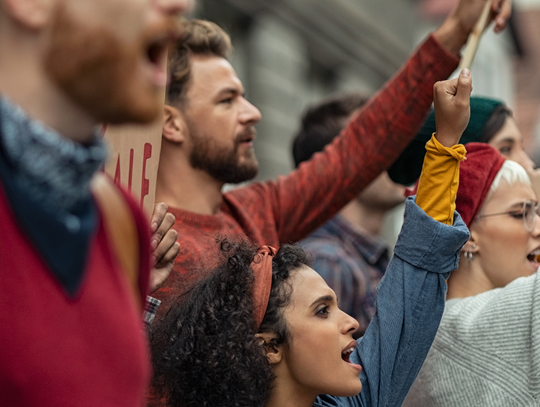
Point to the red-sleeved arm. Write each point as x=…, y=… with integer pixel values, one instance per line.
x=372, y=141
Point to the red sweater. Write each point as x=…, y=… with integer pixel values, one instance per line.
x=290, y=208
x=59, y=351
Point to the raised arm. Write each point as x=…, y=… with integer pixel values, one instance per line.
x=373, y=139
x=411, y=295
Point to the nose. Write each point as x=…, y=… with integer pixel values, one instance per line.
x=536, y=229
x=350, y=325
x=249, y=115
x=525, y=161
x=175, y=7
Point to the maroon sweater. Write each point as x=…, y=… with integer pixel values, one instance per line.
x=62, y=351
x=288, y=209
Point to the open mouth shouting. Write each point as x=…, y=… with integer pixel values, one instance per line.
x=156, y=54
x=346, y=356
x=532, y=257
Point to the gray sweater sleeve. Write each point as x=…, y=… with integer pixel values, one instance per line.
x=487, y=351
x=410, y=303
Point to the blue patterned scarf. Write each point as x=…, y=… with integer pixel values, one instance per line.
x=53, y=169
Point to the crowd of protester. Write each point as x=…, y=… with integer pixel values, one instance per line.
x=278, y=293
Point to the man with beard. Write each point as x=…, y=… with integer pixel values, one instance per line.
x=208, y=139
x=71, y=331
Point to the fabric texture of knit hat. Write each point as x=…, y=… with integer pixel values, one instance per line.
x=407, y=168
x=476, y=174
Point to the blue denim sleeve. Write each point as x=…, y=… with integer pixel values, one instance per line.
x=410, y=304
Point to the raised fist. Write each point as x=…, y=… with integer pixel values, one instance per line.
x=452, y=108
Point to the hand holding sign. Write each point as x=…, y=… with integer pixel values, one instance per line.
x=467, y=15
x=476, y=34
x=164, y=245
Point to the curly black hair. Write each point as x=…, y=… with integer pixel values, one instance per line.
x=204, y=351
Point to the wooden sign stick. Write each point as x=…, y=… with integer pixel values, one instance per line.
x=474, y=37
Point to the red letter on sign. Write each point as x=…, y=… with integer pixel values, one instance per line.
x=145, y=184
x=130, y=178
x=117, y=172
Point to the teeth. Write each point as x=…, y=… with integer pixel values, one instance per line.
x=535, y=253
x=348, y=350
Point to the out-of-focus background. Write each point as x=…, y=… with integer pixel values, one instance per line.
x=290, y=53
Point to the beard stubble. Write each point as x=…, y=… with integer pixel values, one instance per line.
x=220, y=163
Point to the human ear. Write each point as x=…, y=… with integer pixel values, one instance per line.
x=274, y=353
x=174, y=127
x=32, y=14
x=472, y=245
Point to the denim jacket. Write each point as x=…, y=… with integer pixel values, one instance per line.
x=410, y=304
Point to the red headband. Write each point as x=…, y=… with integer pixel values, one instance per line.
x=262, y=271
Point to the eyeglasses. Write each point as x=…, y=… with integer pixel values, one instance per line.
x=528, y=213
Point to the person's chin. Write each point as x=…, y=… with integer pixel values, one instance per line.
x=350, y=390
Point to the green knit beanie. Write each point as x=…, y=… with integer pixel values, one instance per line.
x=407, y=168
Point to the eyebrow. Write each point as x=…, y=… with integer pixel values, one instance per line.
x=507, y=140
x=519, y=205
x=226, y=91
x=322, y=299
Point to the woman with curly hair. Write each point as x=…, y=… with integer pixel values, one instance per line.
x=264, y=329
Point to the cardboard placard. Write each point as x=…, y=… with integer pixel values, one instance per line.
x=134, y=159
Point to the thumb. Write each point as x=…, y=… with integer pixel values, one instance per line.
x=464, y=87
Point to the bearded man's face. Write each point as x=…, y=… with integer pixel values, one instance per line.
x=220, y=121
x=231, y=162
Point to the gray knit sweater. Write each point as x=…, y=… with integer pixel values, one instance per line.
x=486, y=352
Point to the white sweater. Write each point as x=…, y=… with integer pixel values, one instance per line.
x=486, y=352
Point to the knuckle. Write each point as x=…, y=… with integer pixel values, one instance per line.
x=162, y=205
x=462, y=103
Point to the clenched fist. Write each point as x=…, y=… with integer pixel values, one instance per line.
x=452, y=108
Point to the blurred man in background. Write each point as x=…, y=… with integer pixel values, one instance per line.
x=348, y=251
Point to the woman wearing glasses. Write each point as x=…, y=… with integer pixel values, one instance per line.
x=486, y=352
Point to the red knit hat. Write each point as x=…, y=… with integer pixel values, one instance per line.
x=476, y=174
